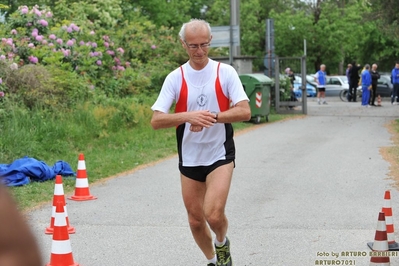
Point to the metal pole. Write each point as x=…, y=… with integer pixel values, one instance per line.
x=277, y=84
x=304, y=92
x=304, y=47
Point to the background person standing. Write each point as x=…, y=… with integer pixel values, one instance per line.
x=374, y=81
x=366, y=86
x=395, y=82
x=354, y=80
x=321, y=80
x=202, y=89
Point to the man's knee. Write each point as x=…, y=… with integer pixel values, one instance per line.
x=196, y=222
x=215, y=217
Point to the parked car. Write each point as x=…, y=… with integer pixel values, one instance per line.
x=310, y=90
x=384, y=86
x=335, y=84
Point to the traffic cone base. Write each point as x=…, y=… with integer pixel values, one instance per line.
x=82, y=191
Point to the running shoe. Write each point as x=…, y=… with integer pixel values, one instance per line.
x=223, y=254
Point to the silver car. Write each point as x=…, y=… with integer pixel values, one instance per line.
x=335, y=84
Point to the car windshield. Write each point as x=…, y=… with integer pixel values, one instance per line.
x=344, y=79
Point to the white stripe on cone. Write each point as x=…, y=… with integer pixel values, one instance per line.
x=58, y=190
x=61, y=247
x=81, y=165
x=380, y=245
x=60, y=219
x=82, y=183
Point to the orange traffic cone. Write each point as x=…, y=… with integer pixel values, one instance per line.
x=61, y=250
x=59, y=196
x=82, y=191
x=380, y=244
x=387, y=210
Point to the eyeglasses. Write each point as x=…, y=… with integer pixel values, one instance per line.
x=196, y=46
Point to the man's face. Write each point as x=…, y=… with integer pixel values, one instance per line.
x=374, y=67
x=196, y=44
x=397, y=66
x=323, y=68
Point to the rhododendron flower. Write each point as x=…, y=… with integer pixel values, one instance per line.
x=106, y=44
x=9, y=41
x=59, y=41
x=13, y=66
x=2, y=57
x=70, y=43
x=153, y=47
x=110, y=52
x=38, y=13
x=49, y=14
x=39, y=38
x=30, y=45
x=33, y=59
x=1, y=93
x=120, y=50
x=14, y=32
x=92, y=32
x=98, y=62
x=52, y=37
x=43, y=22
x=24, y=10
x=94, y=45
x=81, y=43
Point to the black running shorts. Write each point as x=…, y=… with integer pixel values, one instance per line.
x=199, y=173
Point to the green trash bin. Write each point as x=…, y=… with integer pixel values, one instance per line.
x=257, y=88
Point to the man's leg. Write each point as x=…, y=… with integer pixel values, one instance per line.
x=354, y=95
x=218, y=186
x=350, y=92
x=193, y=196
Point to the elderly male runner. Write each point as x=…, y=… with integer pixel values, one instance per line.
x=202, y=89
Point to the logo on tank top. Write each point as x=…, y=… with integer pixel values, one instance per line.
x=202, y=100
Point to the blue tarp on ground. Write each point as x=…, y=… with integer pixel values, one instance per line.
x=23, y=171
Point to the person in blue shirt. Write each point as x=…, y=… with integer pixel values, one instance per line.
x=366, y=85
x=321, y=79
x=395, y=82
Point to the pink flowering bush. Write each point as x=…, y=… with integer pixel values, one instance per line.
x=33, y=36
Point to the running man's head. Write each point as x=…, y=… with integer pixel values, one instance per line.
x=322, y=67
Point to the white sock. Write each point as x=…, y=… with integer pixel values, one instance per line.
x=220, y=244
x=324, y=100
x=318, y=99
x=213, y=260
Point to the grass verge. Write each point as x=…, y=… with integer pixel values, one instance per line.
x=108, y=152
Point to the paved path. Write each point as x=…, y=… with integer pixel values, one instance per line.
x=301, y=187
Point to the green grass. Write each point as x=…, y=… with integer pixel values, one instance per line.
x=114, y=137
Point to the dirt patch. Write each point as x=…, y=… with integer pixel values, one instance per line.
x=391, y=154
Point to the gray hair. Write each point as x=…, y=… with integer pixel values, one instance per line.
x=194, y=21
x=367, y=66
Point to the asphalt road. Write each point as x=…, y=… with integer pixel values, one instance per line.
x=303, y=190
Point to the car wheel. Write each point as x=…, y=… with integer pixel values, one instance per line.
x=343, y=95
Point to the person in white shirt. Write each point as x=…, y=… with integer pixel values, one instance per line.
x=204, y=91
